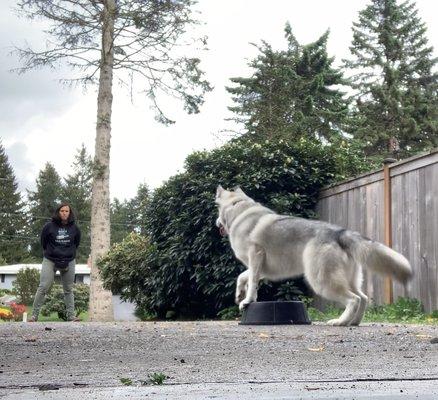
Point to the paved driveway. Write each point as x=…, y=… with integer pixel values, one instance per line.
x=219, y=360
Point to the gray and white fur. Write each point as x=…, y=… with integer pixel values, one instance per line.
x=276, y=247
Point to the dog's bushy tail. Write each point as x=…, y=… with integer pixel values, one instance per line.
x=384, y=260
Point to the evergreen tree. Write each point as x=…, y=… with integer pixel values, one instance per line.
x=42, y=204
x=130, y=215
x=121, y=224
x=292, y=93
x=77, y=191
x=12, y=220
x=138, y=208
x=392, y=65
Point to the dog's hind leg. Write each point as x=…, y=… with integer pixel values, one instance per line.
x=256, y=258
x=242, y=286
x=326, y=269
x=352, y=304
x=357, y=289
x=362, y=307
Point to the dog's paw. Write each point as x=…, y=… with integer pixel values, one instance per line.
x=335, y=322
x=239, y=298
x=243, y=304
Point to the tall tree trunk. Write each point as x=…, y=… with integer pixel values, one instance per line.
x=101, y=308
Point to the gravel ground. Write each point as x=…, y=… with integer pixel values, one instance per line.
x=82, y=356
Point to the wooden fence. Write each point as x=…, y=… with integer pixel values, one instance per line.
x=398, y=206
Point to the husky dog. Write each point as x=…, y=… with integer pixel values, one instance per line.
x=276, y=247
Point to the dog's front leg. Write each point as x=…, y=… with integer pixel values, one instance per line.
x=256, y=258
x=241, y=287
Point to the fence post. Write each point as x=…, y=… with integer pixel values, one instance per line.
x=387, y=217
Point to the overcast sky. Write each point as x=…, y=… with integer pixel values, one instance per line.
x=40, y=120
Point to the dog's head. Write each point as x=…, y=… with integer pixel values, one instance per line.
x=226, y=199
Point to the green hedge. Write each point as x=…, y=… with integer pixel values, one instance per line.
x=188, y=268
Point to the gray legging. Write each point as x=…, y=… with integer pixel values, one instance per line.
x=47, y=277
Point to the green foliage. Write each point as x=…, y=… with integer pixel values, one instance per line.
x=12, y=235
x=26, y=284
x=189, y=268
x=288, y=291
x=392, y=67
x=403, y=310
x=129, y=215
x=120, y=220
x=126, y=381
x=76, y=190
x=126, y=268
x=42, y=204
x=138, y=208
x=157, y=378
x=229, y=313
x=4, y=292
x=55, y=301
x=291, y=93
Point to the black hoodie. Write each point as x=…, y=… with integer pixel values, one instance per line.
x=60, y=242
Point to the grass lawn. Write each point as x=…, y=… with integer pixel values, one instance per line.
x=403, y=311
x=53, y=317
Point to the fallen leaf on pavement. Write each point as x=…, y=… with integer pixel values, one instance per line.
x=315, y=349
x=420, y=336
x=264, y=336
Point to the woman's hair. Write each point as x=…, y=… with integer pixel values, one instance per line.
x=56, y=218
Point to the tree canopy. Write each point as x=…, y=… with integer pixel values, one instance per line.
x=76, y=190
x=42, y=204
x=12, y=217
x=392, y=69
x=291, y=93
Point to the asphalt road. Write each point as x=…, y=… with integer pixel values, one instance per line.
x=219, y=360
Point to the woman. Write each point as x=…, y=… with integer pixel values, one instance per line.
x=60, y=239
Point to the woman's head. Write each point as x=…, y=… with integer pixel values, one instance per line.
x=63, y=214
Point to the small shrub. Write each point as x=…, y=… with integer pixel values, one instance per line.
x=288, y=291
x=5, y=314
x=229, y=313
x=4, y=292
x=26, y=284
x=144, y=315
x=157, y=378
x=17, y=311
x=55, y=301
x=402, y=310
x=126, y=381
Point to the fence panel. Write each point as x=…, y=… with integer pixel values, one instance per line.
x=358, y=204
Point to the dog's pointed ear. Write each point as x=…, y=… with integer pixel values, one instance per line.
x=219, y=191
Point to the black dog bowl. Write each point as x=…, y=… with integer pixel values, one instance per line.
x=275, y=313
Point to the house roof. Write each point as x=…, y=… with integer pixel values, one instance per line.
x=14, y=269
